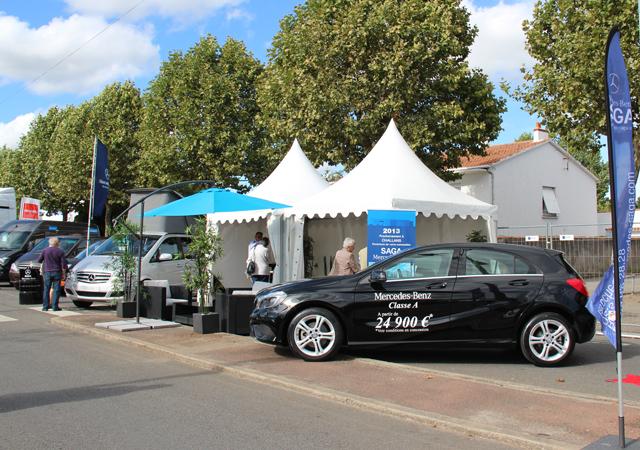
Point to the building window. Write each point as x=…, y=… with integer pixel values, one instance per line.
x=550, y=206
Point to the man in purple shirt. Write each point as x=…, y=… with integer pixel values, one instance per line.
x=53, y=270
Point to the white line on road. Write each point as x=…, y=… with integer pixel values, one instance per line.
x=7, y=319
x=62, y=313
x=624, y=335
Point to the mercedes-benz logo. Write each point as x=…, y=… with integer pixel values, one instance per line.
x=27, y=272
x=91, y=277
x=614, y=83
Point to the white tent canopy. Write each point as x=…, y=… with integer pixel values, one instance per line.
x=391, y=176
x=294, y=179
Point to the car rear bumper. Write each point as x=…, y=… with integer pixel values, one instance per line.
x=584, y=326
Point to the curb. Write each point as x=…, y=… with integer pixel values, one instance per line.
x=434, y=420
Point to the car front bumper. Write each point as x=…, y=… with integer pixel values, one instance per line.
x=91, y=292
x=267, y=324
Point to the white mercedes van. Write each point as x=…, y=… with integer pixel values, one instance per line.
x=163, y=258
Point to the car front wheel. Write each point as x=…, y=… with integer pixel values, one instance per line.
x=315, y=334
x=547, y=340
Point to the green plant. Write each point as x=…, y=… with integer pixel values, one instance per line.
x=123, y=264
x=476, y=236
x=204, y=250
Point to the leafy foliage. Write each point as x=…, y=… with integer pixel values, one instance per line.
x=476, y=236
x=204, y=250
x=340, y=70
x=525, y=136
x=123, y=265
x=566, y=84
x=199, y=117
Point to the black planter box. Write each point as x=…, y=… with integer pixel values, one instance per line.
x=153, y=304
x=30, y=297
x=126, y=309
x=206, y=323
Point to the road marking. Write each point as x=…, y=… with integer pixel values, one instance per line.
x=7, y=319
x=62, y=313
x=624, y=335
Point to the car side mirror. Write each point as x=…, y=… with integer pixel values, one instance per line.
x=378, y=276
x=165, y=257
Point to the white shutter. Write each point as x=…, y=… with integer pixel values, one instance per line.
x=550, y=200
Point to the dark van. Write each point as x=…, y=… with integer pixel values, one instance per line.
x=20, y=236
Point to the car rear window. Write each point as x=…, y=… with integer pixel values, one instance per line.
x=490, y=262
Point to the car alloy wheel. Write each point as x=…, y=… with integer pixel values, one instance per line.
x=315, y=334
x=547, y=339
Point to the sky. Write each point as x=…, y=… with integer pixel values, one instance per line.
x=60, y=52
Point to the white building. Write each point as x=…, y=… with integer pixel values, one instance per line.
x=536, y=185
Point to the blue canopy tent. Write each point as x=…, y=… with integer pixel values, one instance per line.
x=214, y=200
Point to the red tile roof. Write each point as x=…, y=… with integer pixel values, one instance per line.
x=497, y=153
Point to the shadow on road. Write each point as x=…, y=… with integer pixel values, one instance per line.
x=26, y=400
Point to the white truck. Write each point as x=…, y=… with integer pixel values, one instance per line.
x=7, y=205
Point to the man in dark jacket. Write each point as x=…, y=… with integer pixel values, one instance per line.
x=53, y=269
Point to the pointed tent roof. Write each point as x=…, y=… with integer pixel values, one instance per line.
x=391, y=176
x=292, y=181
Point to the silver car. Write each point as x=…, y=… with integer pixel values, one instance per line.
x=163, y=258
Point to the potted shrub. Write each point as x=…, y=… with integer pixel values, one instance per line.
x=123, y=267
x=204, y=250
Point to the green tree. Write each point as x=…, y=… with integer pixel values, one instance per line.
x=114, y=117
x=339, y=70
x=199, y=118
x=565, y=86
x=70, y=160
x=30, y=164
x=525, y=136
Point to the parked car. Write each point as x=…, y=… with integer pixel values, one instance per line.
x=26, y=269
x=453, y=294
x=20, y=236
x=91, y=280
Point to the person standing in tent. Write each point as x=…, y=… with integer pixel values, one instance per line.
x=256, y=241
x=345, y=262
x=264, y=261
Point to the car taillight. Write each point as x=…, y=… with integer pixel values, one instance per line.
x=578, y=285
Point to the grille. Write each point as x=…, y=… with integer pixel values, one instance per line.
x=30, y=265
x=91, y=294
x=93, y=277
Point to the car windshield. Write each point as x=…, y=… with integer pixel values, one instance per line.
x=65, y=244
x=92, y=248
x=13, y=240
x=111, y=247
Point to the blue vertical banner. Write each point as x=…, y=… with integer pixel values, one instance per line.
x=389, y=233
x=100, y=179
x=602, y=304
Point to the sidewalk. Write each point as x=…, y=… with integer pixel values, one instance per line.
x=527, y=418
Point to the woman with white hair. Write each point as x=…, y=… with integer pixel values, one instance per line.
x=345, y=261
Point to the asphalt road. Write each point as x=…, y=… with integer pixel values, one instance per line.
x=60, y=389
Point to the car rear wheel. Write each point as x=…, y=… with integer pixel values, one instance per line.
x=80, y=304
x=315, y=334
x=547, y=340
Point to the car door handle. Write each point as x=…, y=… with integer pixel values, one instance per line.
x=438, y=285
x=518, y=283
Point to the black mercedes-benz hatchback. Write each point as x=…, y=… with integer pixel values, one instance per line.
x=455, y=294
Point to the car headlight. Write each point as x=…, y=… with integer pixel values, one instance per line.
x=271, y=299
x=3, y=260
x=14, y=268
